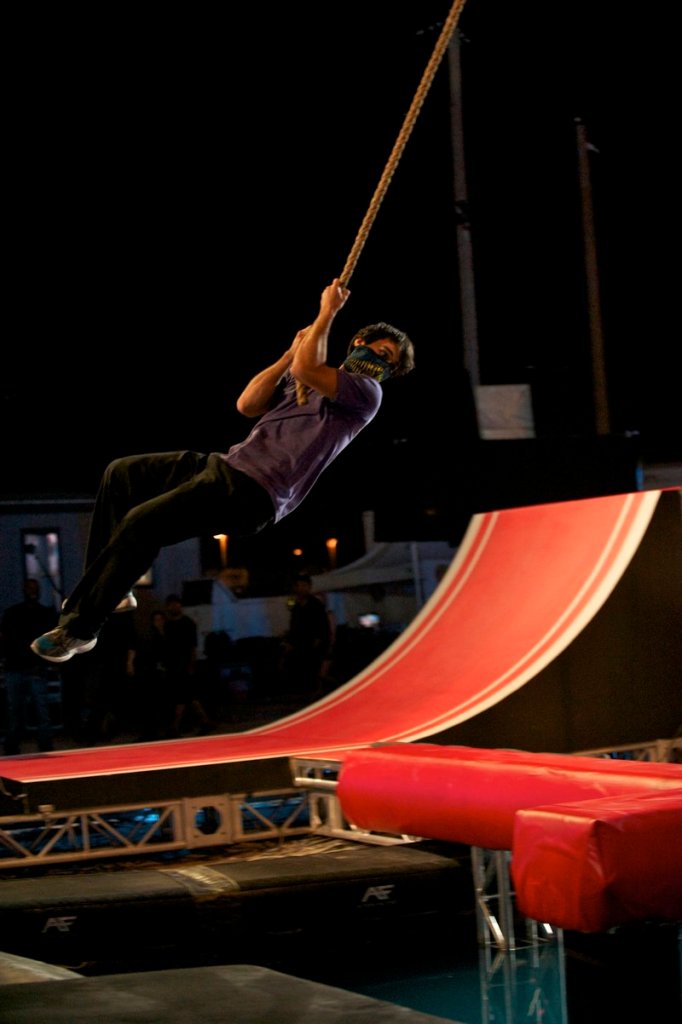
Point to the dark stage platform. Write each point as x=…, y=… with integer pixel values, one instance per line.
x=313, y=897
x=238, y=994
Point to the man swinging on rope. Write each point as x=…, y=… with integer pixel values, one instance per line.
x=146, y=502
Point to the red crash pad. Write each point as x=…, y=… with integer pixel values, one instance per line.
x=591, y=866
x=594, y=842
x=471, y=795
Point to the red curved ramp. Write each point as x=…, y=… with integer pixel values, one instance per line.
x=523, y=584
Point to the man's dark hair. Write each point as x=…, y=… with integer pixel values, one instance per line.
x=377, y=332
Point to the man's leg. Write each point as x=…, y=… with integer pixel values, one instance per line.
x=131, y=481
x=212, y=499
x=128, y=482
x=197, y=503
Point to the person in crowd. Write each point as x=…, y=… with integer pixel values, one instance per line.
x=26, y=675
x=327, y=680
x=148, y=666
x=181, y=644
x=306, y=644
x=109, y=702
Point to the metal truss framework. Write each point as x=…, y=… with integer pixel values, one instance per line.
x=53, y=837
x=521, y=961
x=654, y=752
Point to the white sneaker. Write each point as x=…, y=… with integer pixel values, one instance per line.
x=58, y=645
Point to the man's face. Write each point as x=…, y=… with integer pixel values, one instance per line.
x=386, y=348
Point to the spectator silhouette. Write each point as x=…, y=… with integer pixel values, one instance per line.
x=26, y=675
x=327, y=679
x=107, y=701
x=148, y=663
x=181, y=668
x=305, y=647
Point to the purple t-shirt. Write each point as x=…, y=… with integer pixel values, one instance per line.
x=292, y=444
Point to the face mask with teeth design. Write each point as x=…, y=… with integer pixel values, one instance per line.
x=365, y=360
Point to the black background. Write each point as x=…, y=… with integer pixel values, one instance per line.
x=183, y=183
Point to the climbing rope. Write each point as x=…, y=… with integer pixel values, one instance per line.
x=394, y=158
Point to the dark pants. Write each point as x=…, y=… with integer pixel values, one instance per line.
x=147, y=502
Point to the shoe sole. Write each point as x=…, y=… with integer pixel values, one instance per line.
x=86, y=646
